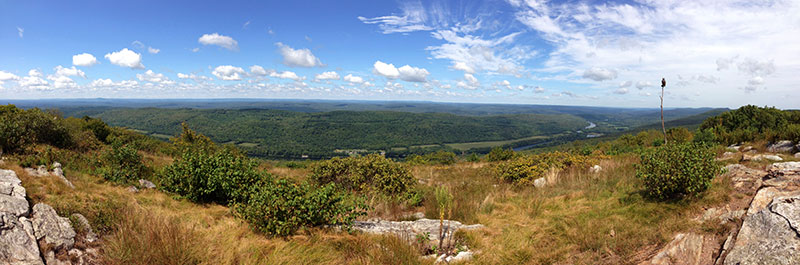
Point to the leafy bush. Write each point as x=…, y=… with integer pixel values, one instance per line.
x=500, y=154
x=123, y=164
x=750, y=123
x=204, y=176
x=20, y=128
x=440, y=157
x=676, y=170
x=525, y=169
x=280, y=207
x=368, y=174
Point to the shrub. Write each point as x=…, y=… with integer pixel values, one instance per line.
x=525, y=169
x=123, y=164
x=204, y=176
x=280, y=207
x=20, y=128
x=500, y=154
x=368, y=174
x=676, y=170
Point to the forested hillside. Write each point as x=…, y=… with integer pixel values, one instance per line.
x=276, y=133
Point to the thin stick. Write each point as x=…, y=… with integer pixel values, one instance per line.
x=663, y=129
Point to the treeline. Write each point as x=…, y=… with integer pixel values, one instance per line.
x=285, y=134
x=750, y=122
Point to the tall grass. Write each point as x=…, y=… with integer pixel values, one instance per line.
x=144, y=238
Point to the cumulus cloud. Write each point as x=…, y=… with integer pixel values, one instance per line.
x=643, y=84
x=72, y=71
x=297, y=57
x=257, y=70
x=34, y=80
x=126, y=58
x=219, y=40
x=228, y=72
x=152, y=50
x=625, y=84
x=151, y=76
x=756, y=81
x=621, y=91
x=599, y=74
x=327, y=76
x=195, y=77
x=353, y=79
x=709, y=79
x=405, y=73
x=84, y=59
x=6, y=76
x=286, y=75
x=469, y=82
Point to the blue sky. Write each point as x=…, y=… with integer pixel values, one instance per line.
x=712, y=53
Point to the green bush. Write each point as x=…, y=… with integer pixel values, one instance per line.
x=676, y=170
x=500, y=154
x=204, y=176
x=123, y=164
x=20, y=128
x=525, y=169
x=368, y=174
x=280, y=207
x=750, y=123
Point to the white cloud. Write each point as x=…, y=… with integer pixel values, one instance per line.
x=413, y=74
x=219, y=40
x=756, y=81
x=538, y=89
x=353, y=79
x=257, y=70
x=151, y=76
x=61, y=82
x=152, y=50
x=469, y=82
x=297, y=57
x=20, y=32
x=463, y=67
x=6, y=76
x=754, y=67
x=229, y=72
x=286, y=75
x=599, y=74
x=406, y=72
x=196, y=78
x=625, y=84
x=470, y=53
x=126, y=58
x=621, y=91
x=413, y=19
x=34, y=80
x=72, y=71
x=327, y=76
x=196, y=49
x=643, y=84
x=84, y=59
x=386, y=70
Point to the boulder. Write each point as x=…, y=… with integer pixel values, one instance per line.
x=783, y=146
x=85, y=227
x=772, y=157
x=759, y=157
x=12, y=194
x=40, y=171
x=770, y=236
x=55, y=230
x=540, y=182
x=745, y=180
x=133, y=189
x=747, y=148
x=734, y=147
x=685, y=248
x=595, y=169
x=17, y=243
x=146, y=184
x=784, y=169
x=727, y=155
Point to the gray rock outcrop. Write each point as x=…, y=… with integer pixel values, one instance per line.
x=17, y=242
x=783, y=146
x=146, y=184
x=55, y=230
x=689, y=248
x=410, y=229
x=769, y=236
x=85, y=227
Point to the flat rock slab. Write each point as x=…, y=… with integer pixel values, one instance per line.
x=686, y=248
x=410, y=229
x=55, y=230
x=769, y=236
x=17, y=243
x=12, y=194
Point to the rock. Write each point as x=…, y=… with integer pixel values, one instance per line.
x=40, y=171
x=772, y=157
x=726, y=155
x=12, y=194
x=406, y=229
x=783, y=146
x=734, y=147
x=747, y=148
x=770, y=236
x=595, y=169
x=797, y=155
x=56, y=165
x=685, y=248
x=744, y=179
x=133, y=189
x=783, y=169
x=146, y=184
x=540, y=182
x=85, y=226
x=17, y=243
x=748, y=157
x=723, y=214
x=460, y=257
x=55, y=230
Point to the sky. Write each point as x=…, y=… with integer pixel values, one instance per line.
x=591, y=53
